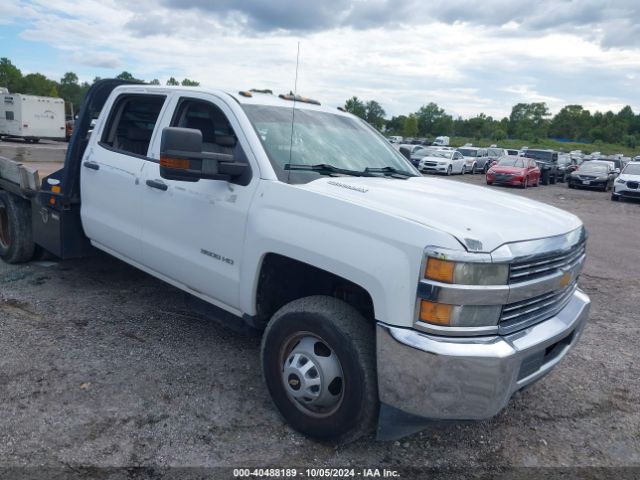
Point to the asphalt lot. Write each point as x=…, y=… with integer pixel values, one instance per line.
x=103, y=365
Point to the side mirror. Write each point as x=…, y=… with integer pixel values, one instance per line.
x=406, y=152
x=182, y=158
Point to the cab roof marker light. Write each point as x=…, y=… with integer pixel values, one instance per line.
x=298, y=98
x=264, y=91
x=245, y=94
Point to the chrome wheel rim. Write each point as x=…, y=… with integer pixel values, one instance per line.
x=312, y=375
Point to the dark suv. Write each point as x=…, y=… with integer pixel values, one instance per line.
x=547, y=161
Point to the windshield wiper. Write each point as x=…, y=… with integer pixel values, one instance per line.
x=389, y=171
x=326, y=169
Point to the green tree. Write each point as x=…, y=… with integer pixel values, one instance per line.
x=155, y=81
x=71, y=91
x=126, y=76
x=432, y=120
x=572, y=122
x=395, y=126
x=529, y=120
x=375, y=114
x=190, y=83
x=172, y=82
x=10, y=76
x=410, y=126
x=356, y=106
x=37, y=84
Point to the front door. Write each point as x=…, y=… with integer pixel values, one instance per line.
x=193, y=232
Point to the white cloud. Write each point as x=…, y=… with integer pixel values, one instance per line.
x=467, y=65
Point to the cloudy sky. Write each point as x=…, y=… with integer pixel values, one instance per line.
x=468, y=56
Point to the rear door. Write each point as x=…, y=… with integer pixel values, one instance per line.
x=110, y=174
x=193, y=232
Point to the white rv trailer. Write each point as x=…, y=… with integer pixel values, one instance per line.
x=31, y=117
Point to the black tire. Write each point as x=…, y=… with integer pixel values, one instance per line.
x=449, y=170
x=525, y=183
x=35, y=140
x=570, y=185
x=474, y=169
x=544, y=178
x=16, y=237
x=614, y=197
x=553, y=179
x=352, y=337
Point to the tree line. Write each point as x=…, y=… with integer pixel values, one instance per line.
x=527, y=121
x=68, y=87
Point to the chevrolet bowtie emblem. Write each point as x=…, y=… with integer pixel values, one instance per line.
x=565, y=279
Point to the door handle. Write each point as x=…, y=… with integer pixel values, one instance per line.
x=91, y=165
x=157, y=184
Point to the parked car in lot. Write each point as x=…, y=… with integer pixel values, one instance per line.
x=564, y=166
x=380, y=305
x=627, y=185
x=419, y=153
x=475, y=158
x=513, y=152
x=592, y=174
x=512, y=170
x=493, y=155
x=547, y=161
x=442, y=161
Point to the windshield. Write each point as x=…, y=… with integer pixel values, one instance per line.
x=511, y=162
x=632, y=169
x=423, y=152
x=590, y=167
x=539, y=155
x=441, y=154
x=468, y=152
x=320, y=138
x=495, y=152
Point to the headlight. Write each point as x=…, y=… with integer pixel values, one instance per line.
x=466, y=273
x=459, y=315
x=442, y=163
x=621, y=181
x=602, y=179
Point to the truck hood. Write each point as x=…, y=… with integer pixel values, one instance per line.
x=480, y=218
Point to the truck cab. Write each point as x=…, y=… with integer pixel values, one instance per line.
x=385, y=298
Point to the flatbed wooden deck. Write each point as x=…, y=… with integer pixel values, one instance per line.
x=26, y=174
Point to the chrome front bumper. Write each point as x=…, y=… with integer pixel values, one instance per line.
x=471, y=378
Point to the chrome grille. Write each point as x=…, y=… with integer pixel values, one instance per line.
x=540, y=266
x=522, y=314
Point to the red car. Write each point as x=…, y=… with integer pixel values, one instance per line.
x=510, y=170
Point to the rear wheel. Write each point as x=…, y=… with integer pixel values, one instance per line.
x=16, y=239
x=318, y=361
x=544, y=176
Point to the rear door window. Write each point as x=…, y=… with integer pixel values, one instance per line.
x=131, y=123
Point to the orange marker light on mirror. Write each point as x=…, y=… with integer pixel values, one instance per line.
x=168, y=162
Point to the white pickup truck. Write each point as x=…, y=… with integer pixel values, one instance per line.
x=384, y=296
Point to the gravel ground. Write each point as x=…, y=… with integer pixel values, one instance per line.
x=103, y=365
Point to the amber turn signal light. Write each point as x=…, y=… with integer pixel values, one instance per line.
x=168, y=162
x=436, y=313
x=440, y=270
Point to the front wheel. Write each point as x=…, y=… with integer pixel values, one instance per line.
x=614, y=197
x=474, y=169
x=525, y=183
x=319, y=364
x=449, y=170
